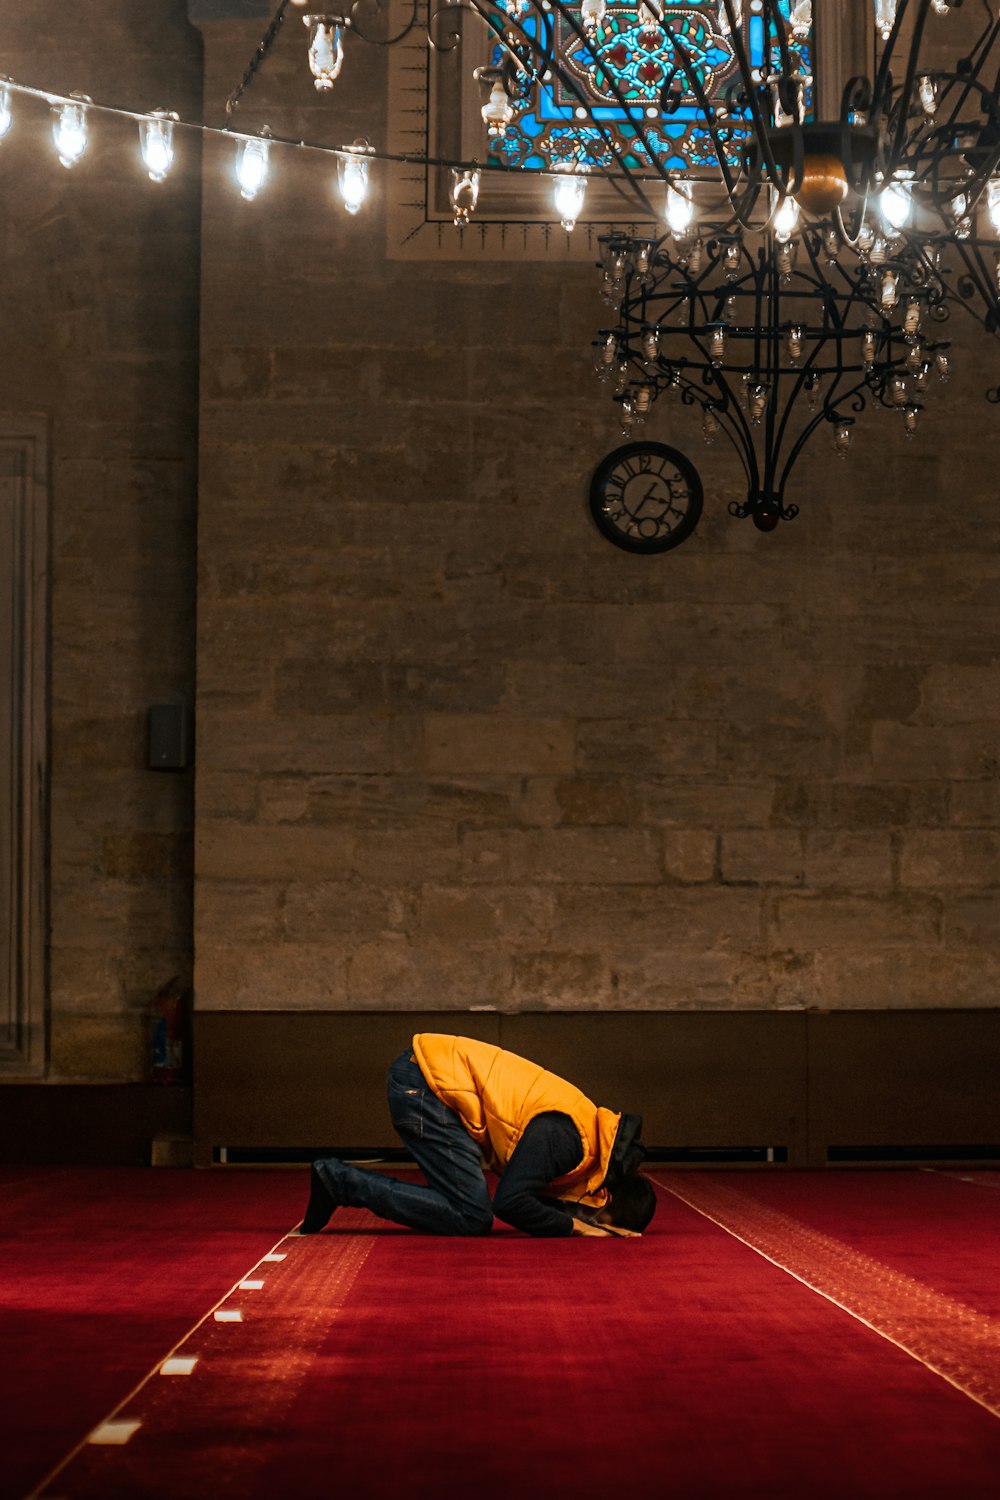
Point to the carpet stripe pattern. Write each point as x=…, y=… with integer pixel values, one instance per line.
x=950, y=1338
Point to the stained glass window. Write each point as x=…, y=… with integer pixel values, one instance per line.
x=557, y=123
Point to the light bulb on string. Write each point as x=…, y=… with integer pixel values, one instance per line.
x=6, y=117
x=568, y=194
x=464, y=193
x=251, y=165
x=69, y=128
x=326, y=50
x=156, y=141
x=352, y=175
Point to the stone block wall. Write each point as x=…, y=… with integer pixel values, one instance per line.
x=455, y=750
x=100, y=309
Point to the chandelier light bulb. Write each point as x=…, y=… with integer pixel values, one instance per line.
x=6, y=118
x=69, y=129
x=911, y=417
x=568, y=195
x=731, y=262
x=717, y=346
x=757, y=400
x=914, y=358
x=498, y=111
x=879, y=253
x=464, y=193
x=651, y=344
x=793, y=342
x=642, y=400
x=679, y=211
x=941, y=7
x=843, y=436
x=993, y=202
x=942, y=363
x=927, y=94
x=628, y=416
x=801, y=17
x=785, y=220
x=352, y=175
x=869, y=344
x=251, y=166
x=723, y=16
x=890, y=281
x=326, y=50
x=896, y=203
x=592, y=13
x=911, y=322
x=156, y=141
x=709, y=424
x=885, y=17
x=897, y=391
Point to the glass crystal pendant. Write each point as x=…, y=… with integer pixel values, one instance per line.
x=326, y=50
x=464, y=193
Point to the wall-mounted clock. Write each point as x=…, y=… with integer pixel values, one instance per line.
x=646, y=497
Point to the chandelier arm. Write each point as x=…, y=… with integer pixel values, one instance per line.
x=746, y=74
x=735, y=427
x=978, y=279
x=547, y=59
x=357, y=11
x=264, y=46
x=707, y=109
x=772, y=14
x=883, y=74
x=906, y=92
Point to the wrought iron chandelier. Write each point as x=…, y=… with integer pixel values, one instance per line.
x=806, y=268
x=777, y=263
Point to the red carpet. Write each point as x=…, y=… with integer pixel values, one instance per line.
x=942, y=1228
x=375, y=1362
x=100, y=1272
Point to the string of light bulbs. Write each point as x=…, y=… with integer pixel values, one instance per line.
x=252, y=160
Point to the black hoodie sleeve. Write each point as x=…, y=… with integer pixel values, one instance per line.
x=549, y=1148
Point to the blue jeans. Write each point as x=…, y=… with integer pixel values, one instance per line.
x=456, y=1199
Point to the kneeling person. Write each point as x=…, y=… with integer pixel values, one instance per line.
x=566, y=1166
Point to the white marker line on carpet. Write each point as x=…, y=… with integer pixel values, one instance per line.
x=181, y=1364
x=228, y=1315
x=251, y=1286
x=992, y=1406
x=114, y=1433
x=58, y=1468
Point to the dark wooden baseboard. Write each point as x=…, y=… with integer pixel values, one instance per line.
x=852, y=1087
x=93, y=1124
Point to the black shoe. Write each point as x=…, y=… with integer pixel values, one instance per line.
x=321, y=1204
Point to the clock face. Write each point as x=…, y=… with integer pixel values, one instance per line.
x=646, y=497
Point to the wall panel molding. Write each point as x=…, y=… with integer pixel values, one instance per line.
x=24, y=505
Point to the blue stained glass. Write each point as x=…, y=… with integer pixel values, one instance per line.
x=619, y=80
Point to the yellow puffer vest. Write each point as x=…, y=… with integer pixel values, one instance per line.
x=496, y=1094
